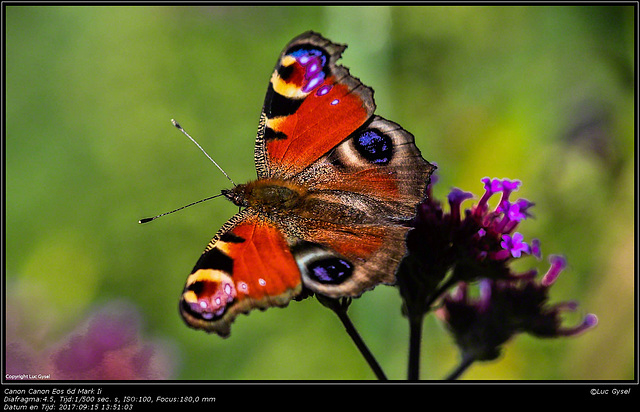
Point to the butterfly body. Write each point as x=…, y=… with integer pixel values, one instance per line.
x=267, y=195
x=337, y=187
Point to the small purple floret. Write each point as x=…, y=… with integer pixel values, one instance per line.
x=524, y=206
x=535, y=248
x=514, y=244
x=456, y=197
x=558, y=263
x=492, y=185
x=509, y=185
x=589, y=321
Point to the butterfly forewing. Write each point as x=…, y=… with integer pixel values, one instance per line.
x=247, y=265
x=312, y=104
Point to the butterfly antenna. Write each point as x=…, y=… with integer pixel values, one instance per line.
x=176, y=124
x=149, y=219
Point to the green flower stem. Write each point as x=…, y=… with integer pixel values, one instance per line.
x=467, y=361
x=415, y=341
x=416, y=319
x=446, y=285
x=340, y=308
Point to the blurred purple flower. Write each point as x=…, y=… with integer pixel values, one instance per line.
x=107, y=346
x=505, y=308
x=110, y=347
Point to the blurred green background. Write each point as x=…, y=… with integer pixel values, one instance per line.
x=541, y=94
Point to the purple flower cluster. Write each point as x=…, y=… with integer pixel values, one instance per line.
x=461, y=248
x=505, y=308
x=496, y=225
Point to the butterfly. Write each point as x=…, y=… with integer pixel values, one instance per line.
x=328, y=213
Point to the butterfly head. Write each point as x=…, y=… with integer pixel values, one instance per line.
x=236, y=195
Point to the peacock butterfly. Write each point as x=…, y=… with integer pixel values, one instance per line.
x=337, y=187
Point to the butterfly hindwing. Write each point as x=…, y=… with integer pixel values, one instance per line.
x=360, y=199
x=378, y=164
